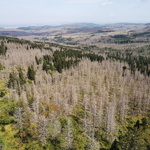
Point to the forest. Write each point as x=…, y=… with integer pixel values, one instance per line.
x=57, y=97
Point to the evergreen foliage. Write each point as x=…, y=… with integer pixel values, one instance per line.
x=16, y=79
x=67, y=58
x=31, y=73
x=19, y=41
x=13, y=79
x=47, y=63
x=38, y=61
x=21, y=77
x=135, y=137
x=139, y=63
x=3, y=48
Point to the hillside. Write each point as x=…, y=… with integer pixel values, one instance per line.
x=75, y=25
x=118, y=36
x=35, y=28
x=60, y=97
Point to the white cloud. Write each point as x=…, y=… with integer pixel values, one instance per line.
x=107, y=3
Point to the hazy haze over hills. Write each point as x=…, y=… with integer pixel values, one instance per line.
x=56, y=12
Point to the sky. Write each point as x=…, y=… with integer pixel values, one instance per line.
x=55, y=12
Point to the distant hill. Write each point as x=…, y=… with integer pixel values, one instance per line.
x=147, y=24
x=81, y=25
x=35, y=28
x=128, y=23
x=144, y=32
x=146, y=29
x=19, y=33
x=75, y=25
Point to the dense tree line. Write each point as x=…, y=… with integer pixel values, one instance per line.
x=3, y=48
x=67, y=58
x=22, y=41
x=139, y=63
x=126, y=38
